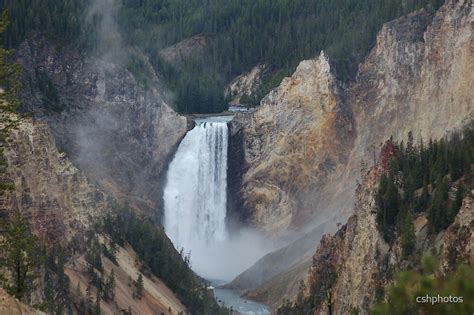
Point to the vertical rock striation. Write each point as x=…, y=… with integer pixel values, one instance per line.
x=293, y=142
x=55, y=197
x=115, y=126
x=306, y=145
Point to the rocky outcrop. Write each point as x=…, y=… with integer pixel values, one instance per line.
x=245, y=84
x=55, y=197
x=185, y=49
x=417, y=78
x=62, y=206
x=11, y=306
x=293, y=142
x=99, y=136
x=362, y=263
x=358, y=253
x=116, y=128
x=157, y=297
x=457, y=243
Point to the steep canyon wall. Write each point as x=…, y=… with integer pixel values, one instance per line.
x=308, y=142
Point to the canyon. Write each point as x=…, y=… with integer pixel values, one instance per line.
x=298, y=167
x=305, y=146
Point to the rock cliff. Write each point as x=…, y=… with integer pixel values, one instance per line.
x=307, y=143
x=417, y=78
x=62, y=206
x=293, y=142
x=114, y=125
x=310, y=134
x=11, y=306
x=355, y=266
x=245, y=84
x=99, y=135
x=55, y=197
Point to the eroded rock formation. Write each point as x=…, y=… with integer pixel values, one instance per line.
x=117, y=129
x=308, y=142
x=293, y=142
x=361, y=262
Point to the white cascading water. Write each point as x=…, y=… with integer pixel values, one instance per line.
x=195, y=191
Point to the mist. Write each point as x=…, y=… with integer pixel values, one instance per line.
x=224, y=260
x=102, y=15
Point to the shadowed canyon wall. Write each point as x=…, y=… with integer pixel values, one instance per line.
x=112, y=126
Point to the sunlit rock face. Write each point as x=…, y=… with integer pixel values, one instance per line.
x=52, y=194
x=11, y=306
x=245, y=84
x=418, y=77
x=293, y=142
x=305, y=145
x=359, y=264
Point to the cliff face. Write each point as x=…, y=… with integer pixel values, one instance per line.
x=11, y=306
x=245, y=84
x=305, y=143
x=353, y=267
x=185, y=49
x=293, y=142
x=98, y=137
x=357, y=254
x=417, y=78
x=115, y=128
x=49, y=191
x=62, y=205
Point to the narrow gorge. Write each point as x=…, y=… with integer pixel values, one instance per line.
x=250, y=157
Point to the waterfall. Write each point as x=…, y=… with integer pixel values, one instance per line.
x=196, y=187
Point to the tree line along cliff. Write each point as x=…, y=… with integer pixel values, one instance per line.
x=237, y=35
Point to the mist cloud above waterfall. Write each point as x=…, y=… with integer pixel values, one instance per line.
x=108, y=42
x=110, y=133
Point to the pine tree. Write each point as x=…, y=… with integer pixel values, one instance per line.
x=408, y=239
x=139, y=286
x=438, y=213
x=22, y=256
x=9, y=73
x=96, y=310
x=408, y=190
x=109, y=287
x=457, y=203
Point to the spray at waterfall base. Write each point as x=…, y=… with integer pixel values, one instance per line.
x=195, y=199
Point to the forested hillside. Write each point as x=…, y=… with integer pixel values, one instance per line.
x=422, y=179
x=242, y=34
x=239, y=35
